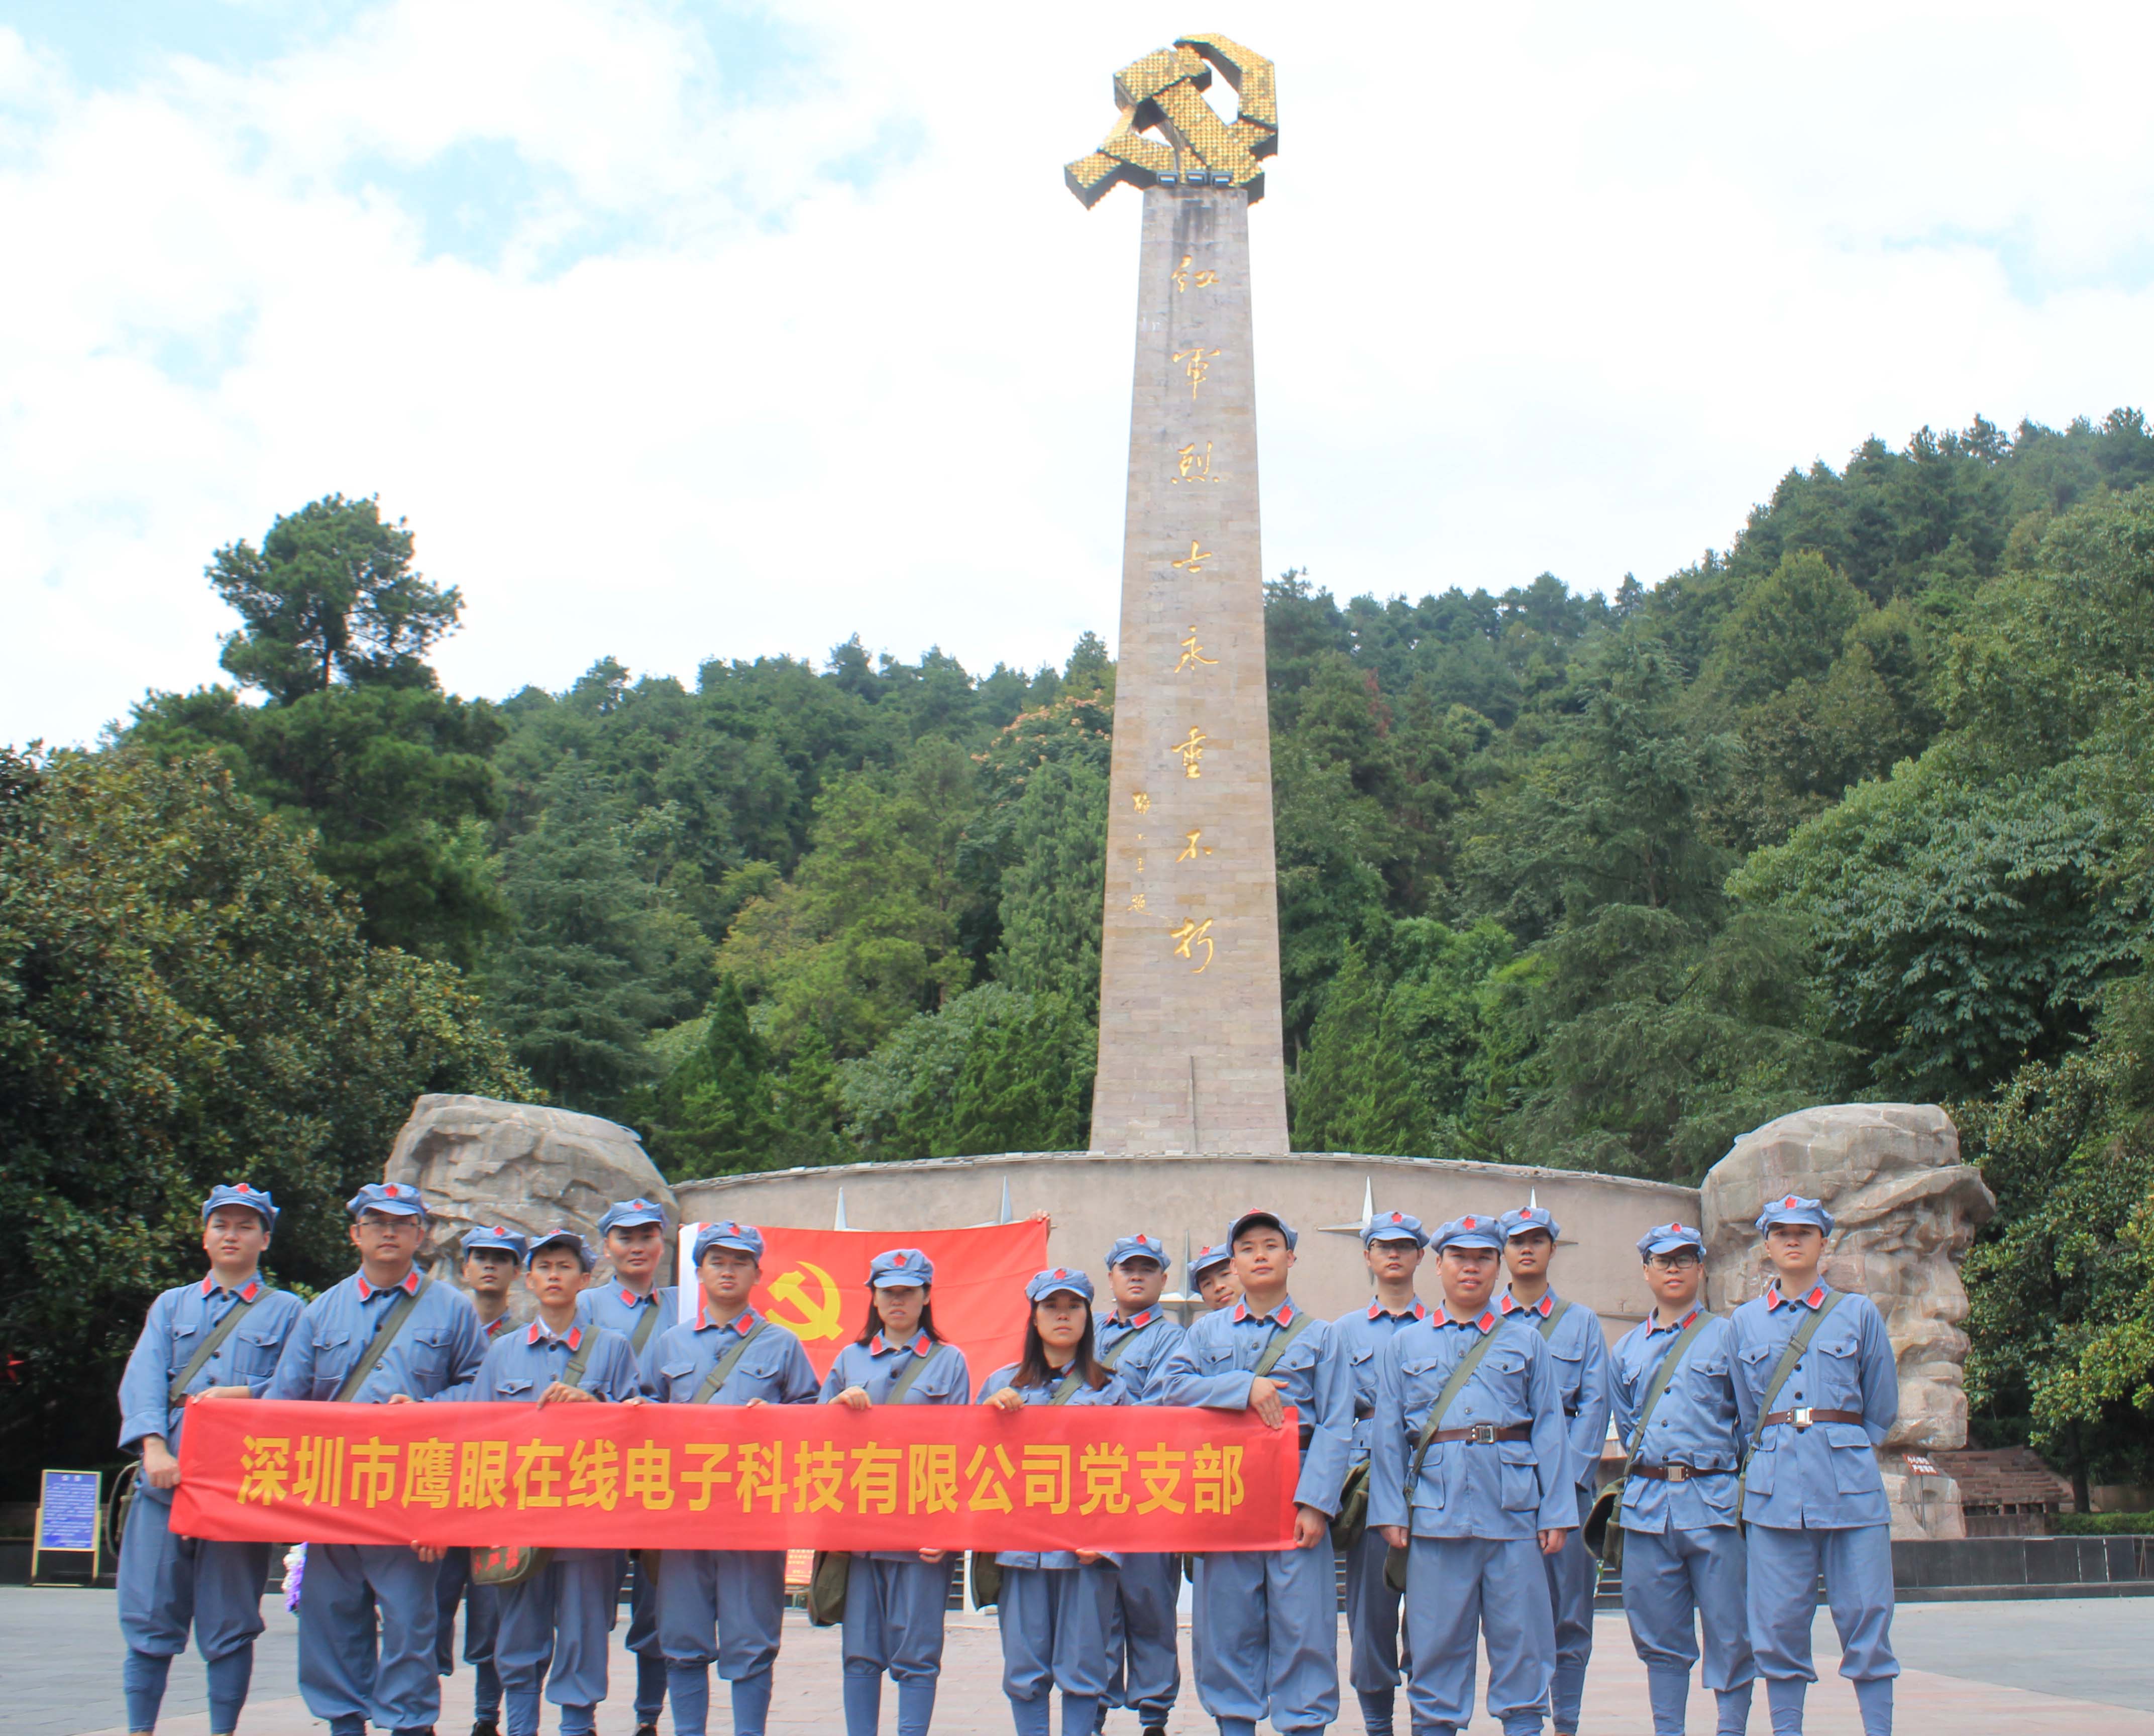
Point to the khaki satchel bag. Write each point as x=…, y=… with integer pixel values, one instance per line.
x=829, y=1574
x=511, y=1564
x=1395, y=1560
x=1604, y=1522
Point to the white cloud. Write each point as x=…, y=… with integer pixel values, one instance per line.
x=676, y=341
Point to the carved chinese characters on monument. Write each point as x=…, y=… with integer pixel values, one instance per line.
x=1189, y=1016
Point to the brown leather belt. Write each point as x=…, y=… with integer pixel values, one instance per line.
x=1486, y=1434
x=1678, y=1473
x=1803, y=1418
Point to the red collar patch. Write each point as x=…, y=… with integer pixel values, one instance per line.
x=879, y=1345
x=573, y=1337
x=499, y=1327
x=1543, y=1308
x=1773, y=1298
x=740, y=1323
x=1419, y=1311
x=628, y=1299
x=210, y=1286
x=1135, y=1321
x=410, y=1286
x=1282, y=1315
x=1653, y=1320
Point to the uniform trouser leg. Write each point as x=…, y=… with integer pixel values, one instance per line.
x=1147, y=1662
x=1273, y=1648
x=750, y=1588
x=643, y=1633
x=1783, y=1567
x=1570, y=1576
x=1675, y=1583
x=523, y=1645
x=168, y=1584
x=1458, y=1587
x=452, y=1576
x=482, y=1619
x=349, y=1667
x=1057, y=1628
x=1372, y=1617
x=894, y=1618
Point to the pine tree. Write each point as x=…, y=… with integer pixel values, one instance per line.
x=1356, y=1089
x=716, y=1112
x=1054, y=891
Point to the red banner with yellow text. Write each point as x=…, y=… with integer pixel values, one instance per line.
x=731, y=1477
x=814, y=1284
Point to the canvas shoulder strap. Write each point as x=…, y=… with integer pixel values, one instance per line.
x=1451, y=1388
x=399, y=1311
x=1553, y=1317
x=912, y=1371
x=645, y=1327
x=721, y=1371
x=1661, y=1376
x=204, y=1351
x=579, y=1359
x=1276, y=1346
x=1113, y=1359
x=1797, y=1344
x=1068, y=1390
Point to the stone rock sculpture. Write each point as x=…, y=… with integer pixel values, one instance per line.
x=479, y=1160
x=1905, y=1210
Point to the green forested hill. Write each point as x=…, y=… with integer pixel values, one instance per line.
x=1855, y=806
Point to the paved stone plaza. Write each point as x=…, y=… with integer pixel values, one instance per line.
x=2034, y=1668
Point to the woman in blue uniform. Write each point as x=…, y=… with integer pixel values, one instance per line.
x=895, y=1599
x=553, y=1627
x=1058, y=1608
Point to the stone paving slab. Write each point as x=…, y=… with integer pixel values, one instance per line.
x=1930, y=1703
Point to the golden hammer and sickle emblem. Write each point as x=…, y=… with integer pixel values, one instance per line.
x=1163, y=90
x=819, y=1319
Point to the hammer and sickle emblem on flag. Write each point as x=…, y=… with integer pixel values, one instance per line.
x=1164, y=91
x=818, y=1316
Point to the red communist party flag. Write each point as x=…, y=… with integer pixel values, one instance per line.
x=814, y=1284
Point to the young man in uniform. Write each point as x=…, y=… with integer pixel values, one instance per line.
x=169, y=1584
x=1573, y=1334
x=492, y=1257
x=1273, y=1614
x=1392, y=1246
x=1212, y=1270
x=724, y=1606
x=1813, y=1498
x=1135, y=1340
x=366, y=1610
x=1682, y=1554
x=553, y=1626
x=634, y=1304
x=1493, y=1495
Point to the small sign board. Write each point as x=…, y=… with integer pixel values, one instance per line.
x=67, y=1518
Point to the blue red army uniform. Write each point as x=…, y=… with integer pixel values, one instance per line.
x=1494, y=1494
x=1134, y=1338
x=1057, y=1609
x=493, y=1261
x=1579, y=1349
x=633, y=1303
x=1272, y=1647
x=896, y=1600
x=1392, y=1245
x=366, y=1610
x=553, y=1633
x=1683, y=1551
x=169, y=1584
x=724, y=1606
x=1814, y=1498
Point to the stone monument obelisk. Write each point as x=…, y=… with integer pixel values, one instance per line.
x=1190, y=1044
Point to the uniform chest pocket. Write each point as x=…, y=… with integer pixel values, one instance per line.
x=514, y=1389
x=1504, y=1364
x=1838, y=1368
x=333, y=1360
x=429, y=1354
x=674, y=1375
x=257, y=1350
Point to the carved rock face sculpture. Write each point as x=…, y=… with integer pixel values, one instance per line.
x=480, y=1161
x=1905, y=1210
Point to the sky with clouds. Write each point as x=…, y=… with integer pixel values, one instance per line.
x=691, y=330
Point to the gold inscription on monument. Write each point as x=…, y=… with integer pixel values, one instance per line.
x=1191, y=467
x=1190, y=747
x=1193, y=562
x=1183, y=277
x=1190, y=853
x=1192, y=653
x=1198, y=365
x=1141, y=801
x=1193, y=933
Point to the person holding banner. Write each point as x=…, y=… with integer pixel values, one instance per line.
x=1392, y=1247
x=555, y=1619
x=1471, y=1469
x=492, y=1257
x=1673, y=1385
x=218, y=1339
x=1579, y=1349
x=724, y=1606
x=633, y=1303
x=895, y=1599
x=1135, y=1338
x=1057, y=1608
x=384, y=1335
x=1272, y=1614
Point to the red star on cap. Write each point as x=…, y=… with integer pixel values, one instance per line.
x=1396, y=1218
x=390, y=1189
x=896, y=1259
x=1788, y=1201
x=1466, y=1223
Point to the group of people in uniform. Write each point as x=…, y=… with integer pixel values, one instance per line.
x=1451, y=1446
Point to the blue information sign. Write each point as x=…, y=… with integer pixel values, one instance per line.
x=67, y=1515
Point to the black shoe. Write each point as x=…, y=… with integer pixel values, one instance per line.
x=646, y=1730
x=486, y=1727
